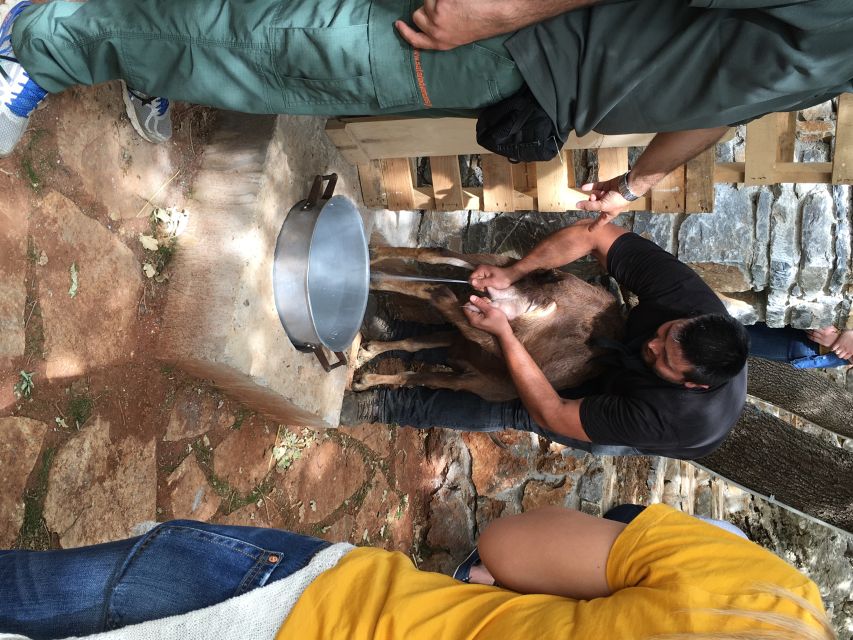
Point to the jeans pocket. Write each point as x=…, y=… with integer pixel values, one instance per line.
x=178, y=568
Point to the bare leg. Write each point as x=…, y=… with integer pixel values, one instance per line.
x=370, y=350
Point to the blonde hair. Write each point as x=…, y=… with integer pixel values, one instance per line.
x=788, y=627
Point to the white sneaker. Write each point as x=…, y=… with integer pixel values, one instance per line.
x=19, y=94
x=150, y=116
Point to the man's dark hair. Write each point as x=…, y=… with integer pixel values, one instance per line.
x=716, y=345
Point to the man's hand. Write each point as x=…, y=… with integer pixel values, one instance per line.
x=482, y=315
x=489, y=276
x=605, y=198
x=447, y=24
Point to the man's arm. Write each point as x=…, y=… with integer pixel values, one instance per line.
x=560, y=248
x=546, y=408
x=666, y=152
x=446, y=24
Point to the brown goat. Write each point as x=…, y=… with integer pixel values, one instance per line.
x=554, y=314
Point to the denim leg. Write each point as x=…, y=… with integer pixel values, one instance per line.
x=178, y=567
x=463, y=411
x=183, y=565
x=51, y=594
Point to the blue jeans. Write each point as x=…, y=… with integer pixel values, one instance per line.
x=789, y=345
x=177, y=567
x=463, y=411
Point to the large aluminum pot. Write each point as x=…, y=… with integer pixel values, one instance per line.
x=321, y=272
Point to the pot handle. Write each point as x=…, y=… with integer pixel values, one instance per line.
x=317, y=188
x=324, y=361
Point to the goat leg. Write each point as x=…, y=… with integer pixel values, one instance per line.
x=449, y=306
x=469, y=381
x=424, y=255
x=370, y=350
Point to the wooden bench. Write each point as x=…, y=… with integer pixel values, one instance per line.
x=385, y=149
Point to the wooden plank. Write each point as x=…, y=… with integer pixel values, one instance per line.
x=667, y=196
x=612, y=162
x=446, y=183
x=761, y=139
x=842, y=163
x=398, y=136
x=699, y=183
x=498, y=188
x=397, y=177
x=523, y=175
x=812, y=172
x=349, y=148
x=372, y=187
x=425, y=198
x=786, y=128
x=552, y=185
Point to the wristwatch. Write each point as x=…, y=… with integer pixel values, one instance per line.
x=625, y=190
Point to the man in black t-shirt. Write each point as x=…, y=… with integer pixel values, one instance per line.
x=674, y=387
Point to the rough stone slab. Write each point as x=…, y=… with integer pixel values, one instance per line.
x=719, y=245
x=452, y=522
x=13, y=266
x=776, y=312
x=376, y=437
x=322, y=479
x=190, y=496
x=76, y=338
x=760, y=269
x=194, y=414
x=841, y=272
x=495, y=469
x=747, y=309
x=244, y=458
x=380, y=512
x=395, y=228
x=539, y=494
x=99, y=489
x=658, y=227
x=443, y=229
x=817, y=242
x=20, y=444
x=784, y=242
x=813, y=315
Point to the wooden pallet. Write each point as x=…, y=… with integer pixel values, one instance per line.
x=385, y=149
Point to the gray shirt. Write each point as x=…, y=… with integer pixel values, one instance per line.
x=644, y=66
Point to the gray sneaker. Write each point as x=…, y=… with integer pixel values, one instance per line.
x=150, y=116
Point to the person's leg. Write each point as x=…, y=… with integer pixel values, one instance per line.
x=785, y=344
x=424, y=408
x=178, y=567
x=51, y=594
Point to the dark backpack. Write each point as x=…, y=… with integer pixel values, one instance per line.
x=519, y=129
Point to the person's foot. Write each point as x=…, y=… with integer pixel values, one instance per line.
x=360, y=408
x=839, y=342
x=19, y=94
x=151, y=116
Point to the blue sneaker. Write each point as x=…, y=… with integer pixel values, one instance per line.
x=19, y=94
x=151, y=116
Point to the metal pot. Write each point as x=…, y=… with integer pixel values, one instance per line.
x=321, y=273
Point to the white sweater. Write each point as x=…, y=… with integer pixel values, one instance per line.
x=256, y=615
